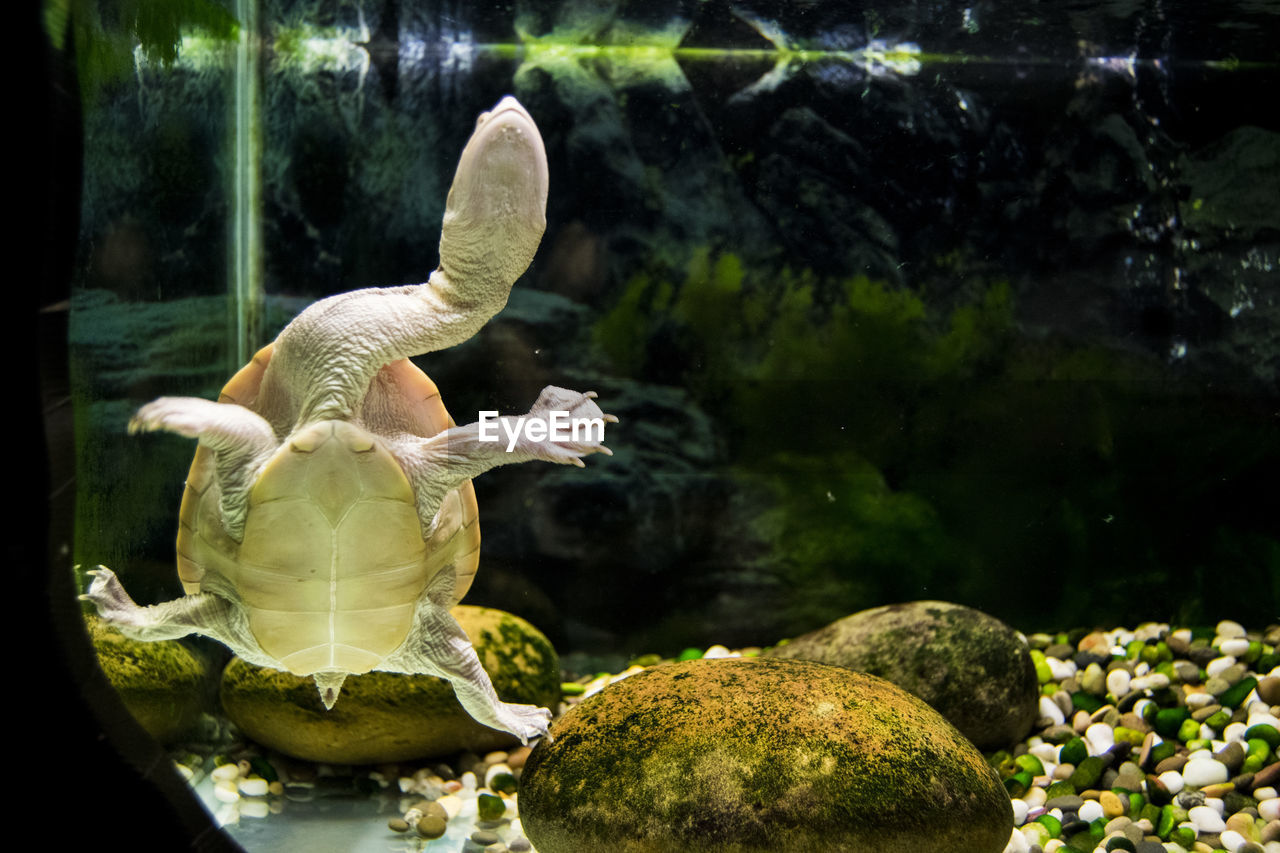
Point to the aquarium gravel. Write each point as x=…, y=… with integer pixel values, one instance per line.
x=1149, y=740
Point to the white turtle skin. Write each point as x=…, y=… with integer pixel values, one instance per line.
x=329, y=522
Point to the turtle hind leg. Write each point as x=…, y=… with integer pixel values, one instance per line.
x=438, y=646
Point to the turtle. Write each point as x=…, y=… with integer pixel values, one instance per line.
x=328, y=522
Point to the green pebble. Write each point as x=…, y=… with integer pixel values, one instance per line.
x=1267, y=661
x=1087, y=773
x=570, y=688
x=1264, y=732
x=1134, y=649
x=1161, y=751
x=1030, y=763
x=1183, y=836
x=1018, y=783
x=1081, y=842
x=263, y=768
x=1188, y=730
x=1235, y=694
x=1150, y=812
x=1050, y=823
x=646, y=660
x=690, y=654
x=1073, y=751
x=1150, y=655
x=1060, y=788
x=1119, y=842
x=504, y=783
x=489, y=807
x=1086, y=702
x=1133, y=736
x=1254, y=652
x=1043, y=674
x=1168, y=720
x=1136, y=802
x=1218, y=721
x=1170, y=817
x=1199, y=743
x=1252, y=764
x=1039, y=830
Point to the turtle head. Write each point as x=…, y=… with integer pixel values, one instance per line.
x=497, y=207
x=329, y=684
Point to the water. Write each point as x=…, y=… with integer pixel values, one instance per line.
x=918, y=301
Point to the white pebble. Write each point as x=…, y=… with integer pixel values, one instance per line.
x=1217, y=665
x=1090, y=811
x=1061, y=670
x=1264, y=718
x=1017, y=843
x=1053, y=845
x=1100, y=738
x=1035, y=797
x=1046, y=752
x=1232, y=840
x=717, y=652
x=1269, y=809
x=225, y=772
x=1234, y=731
x=225, y=794
x=1227, y=629
x=1118, y=682
x=468, y=781
x=254, y=787
x=1020, y=809
x=451, y=804
x=1154, y=681
x=1199, y=700
x=1206, y=819
x=1050, y=710
x=1234, y=647
x=1172, y=780
x=1204, y=771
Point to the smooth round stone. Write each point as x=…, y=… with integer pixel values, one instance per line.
x=1172, y=781
x=1100, y=738
x=432, y=826
x=1228, y=629
x=1269, y=690
x=759, y=755
x=1200, y=772
x=384, y=716
x=1206, y=819
x=972, y=668
x=1118, y=682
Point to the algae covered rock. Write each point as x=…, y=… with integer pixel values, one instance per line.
x=749, y=755
x=387, y=716
x=164, y=684
x=972, y=668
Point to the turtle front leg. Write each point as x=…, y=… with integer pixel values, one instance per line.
x=241, y=440
x=207, y=614
x=438, y=646
x=439, y=464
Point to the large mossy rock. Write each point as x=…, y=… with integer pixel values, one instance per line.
x=972, y=668
x=745, y=755
x=383, y=716
x=164, y=685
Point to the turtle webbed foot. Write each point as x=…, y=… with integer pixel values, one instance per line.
x=574, y=427
x=107, y=594
x=524, y=721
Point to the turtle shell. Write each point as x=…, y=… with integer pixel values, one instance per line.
x=332, y=561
